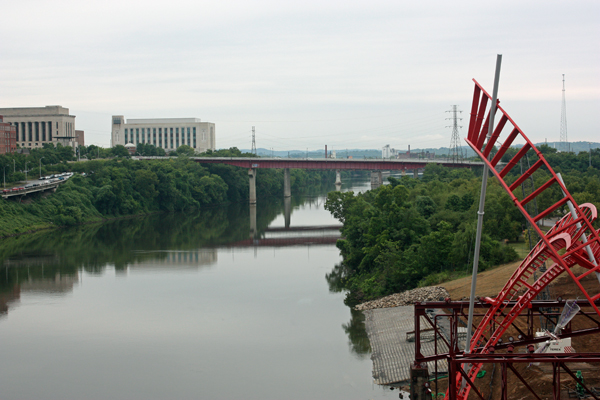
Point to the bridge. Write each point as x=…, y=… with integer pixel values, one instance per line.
x=375, y=166
x=22, y=191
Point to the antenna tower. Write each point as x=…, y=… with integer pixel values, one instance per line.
x=455, y=154
x=253, y=151
x=564, y=141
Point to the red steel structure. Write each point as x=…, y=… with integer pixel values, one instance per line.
x=448, y=315
x=571, y=241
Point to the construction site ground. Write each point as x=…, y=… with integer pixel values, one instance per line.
x=489, y=283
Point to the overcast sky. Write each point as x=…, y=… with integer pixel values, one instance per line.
x=347, y=74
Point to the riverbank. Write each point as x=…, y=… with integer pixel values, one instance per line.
x=489, y=283
x=430, y=293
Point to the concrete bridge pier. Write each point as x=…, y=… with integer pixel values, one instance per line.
x=253, y=220
x=416, y=173
x=338, y=177
x=252, y=177
x=376, y=179
x=287, y=183
x=287, y=210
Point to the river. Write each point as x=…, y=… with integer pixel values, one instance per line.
x=182, y=306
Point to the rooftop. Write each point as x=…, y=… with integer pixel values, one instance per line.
x=162, y=120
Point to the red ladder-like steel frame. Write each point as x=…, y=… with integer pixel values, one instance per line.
x=566, y=234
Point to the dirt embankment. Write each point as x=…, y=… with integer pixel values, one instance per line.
x=489, y=284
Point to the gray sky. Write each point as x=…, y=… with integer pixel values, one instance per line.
x=347, y=74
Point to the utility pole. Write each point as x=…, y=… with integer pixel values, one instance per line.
x=455, y=152
x=26, y=171
x=480, y=213
x=564, y=141
x=253, y=150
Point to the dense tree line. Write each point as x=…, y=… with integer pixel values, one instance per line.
x=420, y=232
x=121, y=186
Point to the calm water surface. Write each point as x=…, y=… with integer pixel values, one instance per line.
x=181, y=307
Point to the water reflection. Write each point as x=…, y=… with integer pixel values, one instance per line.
x=357, y=334
x=53, y=263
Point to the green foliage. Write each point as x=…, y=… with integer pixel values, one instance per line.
x=399, y=235
x=150, y=150
x=122, y=186
x=183, y=150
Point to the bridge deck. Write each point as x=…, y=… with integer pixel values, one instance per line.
x=331, y=163
x=305, y=228
x=40, y=188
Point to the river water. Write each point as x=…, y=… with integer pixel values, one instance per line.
x=178, y=306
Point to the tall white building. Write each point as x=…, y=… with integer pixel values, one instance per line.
x=38, y=125
x=388, y=152
x=167, y=133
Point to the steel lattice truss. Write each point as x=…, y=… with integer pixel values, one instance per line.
x=565, y=244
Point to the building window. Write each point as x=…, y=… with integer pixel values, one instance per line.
x=50, y=130
x=137, y=135
x=160, y=137
x=194, y=130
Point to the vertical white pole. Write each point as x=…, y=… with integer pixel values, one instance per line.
x=481, y=207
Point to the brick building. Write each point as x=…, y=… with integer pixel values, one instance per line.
x=8, y=137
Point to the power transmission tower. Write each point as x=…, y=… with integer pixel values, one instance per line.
x=253, y=143
x=455, y=154
x=564, y=141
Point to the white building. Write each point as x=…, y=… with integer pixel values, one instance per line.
x=167, y=133
x=38, y=125
x=388, y=152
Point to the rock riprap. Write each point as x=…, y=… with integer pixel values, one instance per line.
x=429, y=293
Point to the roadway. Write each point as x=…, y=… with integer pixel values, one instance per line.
x=333, y=163
x=34, y=186
x=327, y=163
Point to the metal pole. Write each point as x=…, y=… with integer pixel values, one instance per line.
x=584, y=239
x=481, y=207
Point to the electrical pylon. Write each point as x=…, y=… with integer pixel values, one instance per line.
x=455, y=152
x=564, y=140
x=253, y=151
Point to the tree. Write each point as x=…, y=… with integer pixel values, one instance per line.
x=120, y=151
x=185, y=150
